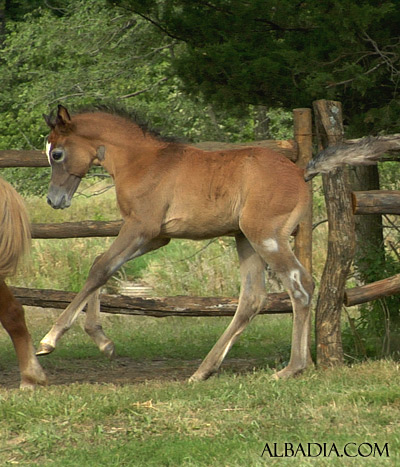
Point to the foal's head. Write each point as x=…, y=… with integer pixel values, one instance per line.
x=70, y=155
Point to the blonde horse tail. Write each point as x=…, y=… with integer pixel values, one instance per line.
x=365, y=151
x=15, y=232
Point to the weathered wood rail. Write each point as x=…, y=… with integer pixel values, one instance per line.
x=26, y=158
x=14, y=158
x=376, y=202
x=373, y=291
x=158, y=307
x=76, y=229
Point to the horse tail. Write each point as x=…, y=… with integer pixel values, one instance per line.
x=15, y=232
x=365, y=151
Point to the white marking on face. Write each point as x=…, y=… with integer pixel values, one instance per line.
x=298, y=289
x=271, y=245
x=48, y=149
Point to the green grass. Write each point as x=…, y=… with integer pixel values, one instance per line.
x=224, y=421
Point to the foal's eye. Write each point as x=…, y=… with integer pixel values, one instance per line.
x=57, y=155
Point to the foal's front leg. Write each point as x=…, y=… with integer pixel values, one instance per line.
x=130, y=240
x=94, y=328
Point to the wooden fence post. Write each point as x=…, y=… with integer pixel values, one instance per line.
x=303, y=137
x=302, y=120
x=341, y=241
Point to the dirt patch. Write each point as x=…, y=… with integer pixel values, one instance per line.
x=122, y=370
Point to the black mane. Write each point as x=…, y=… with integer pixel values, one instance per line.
x=123, y=112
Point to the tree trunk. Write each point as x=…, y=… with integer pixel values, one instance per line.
x=341, y=242
x=369, y=232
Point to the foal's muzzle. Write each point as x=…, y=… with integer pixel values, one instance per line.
x=60, y=196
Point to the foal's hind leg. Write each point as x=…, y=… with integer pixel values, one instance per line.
x=13, y=320
x=277, y=253
x=252, y=297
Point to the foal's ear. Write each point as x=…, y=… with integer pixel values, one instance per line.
x=63, y=118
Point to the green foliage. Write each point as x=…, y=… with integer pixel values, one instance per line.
x=90, y=53
x=281, y=53
x=208, y=268
x=375, y=331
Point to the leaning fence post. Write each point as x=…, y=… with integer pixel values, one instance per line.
x=341, y=240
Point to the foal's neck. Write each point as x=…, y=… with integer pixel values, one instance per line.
x=125, y=142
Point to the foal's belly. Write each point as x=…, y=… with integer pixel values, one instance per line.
x=200, y=226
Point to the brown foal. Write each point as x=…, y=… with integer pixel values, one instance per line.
x=171, y=190
x=14, y=242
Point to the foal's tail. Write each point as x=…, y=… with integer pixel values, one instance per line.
x=15, y=233
x=365, y=151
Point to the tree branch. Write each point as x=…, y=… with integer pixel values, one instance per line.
x=136, y=93
x=371, y=70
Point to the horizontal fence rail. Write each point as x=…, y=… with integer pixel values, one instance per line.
x=158, y=307
x=23, y=158
x=373, y=291
x=376, y=202
x=14, y=158
x=76, y=229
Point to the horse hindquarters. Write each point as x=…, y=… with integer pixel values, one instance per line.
x=13, y=320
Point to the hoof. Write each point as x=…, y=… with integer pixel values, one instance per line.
x=31, y=385
x=199, y=377
x=194, y=379
x=27, y=386
x=287, y=373
x=109, y=350
x=44, y=349
x=32, y=378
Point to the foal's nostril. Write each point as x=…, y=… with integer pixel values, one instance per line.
x=49, y=201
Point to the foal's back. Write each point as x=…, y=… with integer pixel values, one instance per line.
x=207, y=192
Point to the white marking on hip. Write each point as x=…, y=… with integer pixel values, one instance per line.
x=48, y=149
x=271, y=245
x=297, y=286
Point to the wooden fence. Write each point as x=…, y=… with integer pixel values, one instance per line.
x=342, y=205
